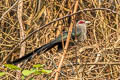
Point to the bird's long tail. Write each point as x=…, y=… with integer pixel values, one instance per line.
x=43, y=48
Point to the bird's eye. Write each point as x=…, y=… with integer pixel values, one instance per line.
x=81, y=22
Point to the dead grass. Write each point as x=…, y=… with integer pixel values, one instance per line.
x=96, y=58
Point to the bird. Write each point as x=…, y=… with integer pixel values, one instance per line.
x=80, y=32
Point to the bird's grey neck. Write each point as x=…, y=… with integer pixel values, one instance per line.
x=81, y=32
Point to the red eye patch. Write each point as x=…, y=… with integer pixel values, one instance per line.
x=81, y=22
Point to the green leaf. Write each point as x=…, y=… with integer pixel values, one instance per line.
x=43, y=71
x=38, y=65
x=23, y=77
x=11, y=66
x=27, y=72
x=38, y=72
x=46, y=71
x=2, y=73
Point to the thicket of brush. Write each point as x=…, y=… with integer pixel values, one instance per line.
x=102, y=47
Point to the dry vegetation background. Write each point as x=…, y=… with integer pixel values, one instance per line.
x=102, y=47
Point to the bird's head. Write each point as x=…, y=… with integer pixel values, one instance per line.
x=82, y=23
